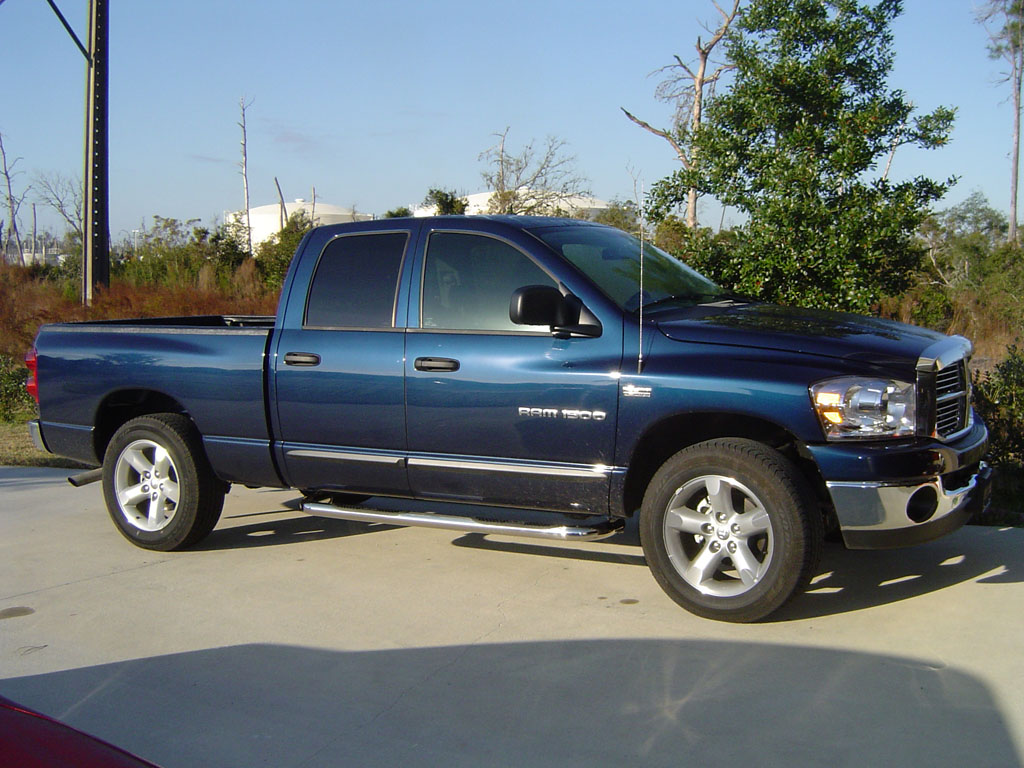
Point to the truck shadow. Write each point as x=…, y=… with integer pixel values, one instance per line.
x=275, y=527
x=645, y=702
x=846, y=580
x=850, y=580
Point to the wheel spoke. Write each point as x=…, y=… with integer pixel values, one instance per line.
x=754, y=522
x=156, y=509
x=720, y=496
x=161, y=461
x=686, y=520
x=138, y=461
x=746, y=564
x=170, y=490
x=703, y=566
x=129, y=497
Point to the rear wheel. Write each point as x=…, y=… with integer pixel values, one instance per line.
x=728, y=531
x=160, y=490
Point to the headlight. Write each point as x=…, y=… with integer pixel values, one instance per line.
x=852, y=407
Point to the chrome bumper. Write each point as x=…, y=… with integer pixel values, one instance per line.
x=37, y=436
x=880, y=515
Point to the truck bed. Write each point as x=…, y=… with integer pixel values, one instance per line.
x=211, y=367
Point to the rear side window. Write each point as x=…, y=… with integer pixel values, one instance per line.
x=468, y=281
x=356, y=282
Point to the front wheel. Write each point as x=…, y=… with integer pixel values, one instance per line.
x=728, y=531
x=160, y=490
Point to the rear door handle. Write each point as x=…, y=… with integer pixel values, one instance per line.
x=436, y=364
x=301, y=358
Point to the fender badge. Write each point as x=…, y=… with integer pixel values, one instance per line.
x=632, y=390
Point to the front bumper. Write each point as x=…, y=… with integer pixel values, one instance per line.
x=878, y=516
x=893, y=495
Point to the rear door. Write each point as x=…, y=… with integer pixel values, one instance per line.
x=338, y=367
x=499, y=413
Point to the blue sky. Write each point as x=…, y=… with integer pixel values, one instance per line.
x=375, y=102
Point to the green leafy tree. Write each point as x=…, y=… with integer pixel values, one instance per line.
x=971, y=278
x=275, y=254
x=795, y=145
x=446, y=202
x=622, y=215
x=398, y=213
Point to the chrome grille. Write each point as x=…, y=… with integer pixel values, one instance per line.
x=952, y=399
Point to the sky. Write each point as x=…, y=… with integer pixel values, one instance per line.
x=375, y=102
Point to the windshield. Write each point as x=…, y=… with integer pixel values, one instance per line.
x=611, y=258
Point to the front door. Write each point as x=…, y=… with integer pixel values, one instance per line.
x=499, y=413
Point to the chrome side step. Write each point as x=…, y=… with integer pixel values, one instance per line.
x=601, y=530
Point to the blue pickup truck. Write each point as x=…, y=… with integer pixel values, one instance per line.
x=530, y=364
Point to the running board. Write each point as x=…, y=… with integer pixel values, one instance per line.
x=601, y=530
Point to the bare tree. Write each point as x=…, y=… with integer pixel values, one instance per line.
x=536, y=181
x=243, y=105
x=13, y=202
x=686, y=86
x=1004, y=22
x=283, y=211
x=64, y=196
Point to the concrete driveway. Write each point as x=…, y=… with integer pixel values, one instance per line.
x=286, y=640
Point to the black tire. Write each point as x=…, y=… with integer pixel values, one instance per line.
x=163, y=512
x=729, y=531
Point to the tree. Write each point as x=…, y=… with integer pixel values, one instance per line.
x=536, y=181
x=795, y=145
x=622, y=215
x=685, y=88
x=64, y=195
x=445, y=202
x=275, y=254
x=398, y=213
x=13, y=203
x=244, y=105
x=1004, y=22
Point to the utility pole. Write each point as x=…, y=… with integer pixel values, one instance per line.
x=96, y=237
x=96, y=258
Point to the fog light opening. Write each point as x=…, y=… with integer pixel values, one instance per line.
x=922, y=504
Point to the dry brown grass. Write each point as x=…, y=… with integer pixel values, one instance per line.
x=17, y=450
x=27, y=302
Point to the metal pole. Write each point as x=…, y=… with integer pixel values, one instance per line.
x=96, y=255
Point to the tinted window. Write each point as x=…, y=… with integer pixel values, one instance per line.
x=611, y=258
x=468, y=281
x=356, y=282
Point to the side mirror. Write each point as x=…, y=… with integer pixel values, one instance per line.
x=545, y=305
x=537, y=305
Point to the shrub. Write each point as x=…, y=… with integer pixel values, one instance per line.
x=999, y=398
x=14, y=398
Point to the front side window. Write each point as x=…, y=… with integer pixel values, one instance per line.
x=611, y=258
x=356, y=282
x=468, y=281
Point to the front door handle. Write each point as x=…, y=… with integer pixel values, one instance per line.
x=436, y=364
x=301, y=358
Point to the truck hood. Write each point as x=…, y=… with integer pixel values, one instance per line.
x=804, y=331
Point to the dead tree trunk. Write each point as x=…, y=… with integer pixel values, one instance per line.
x=687, y=90
x=13, y=204
x=243, y=106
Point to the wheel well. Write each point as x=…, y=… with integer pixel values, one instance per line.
x=672, y=435
x=124, y=405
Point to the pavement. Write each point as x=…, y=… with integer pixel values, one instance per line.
x=287, y=640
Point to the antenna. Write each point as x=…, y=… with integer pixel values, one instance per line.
x=640, y=205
